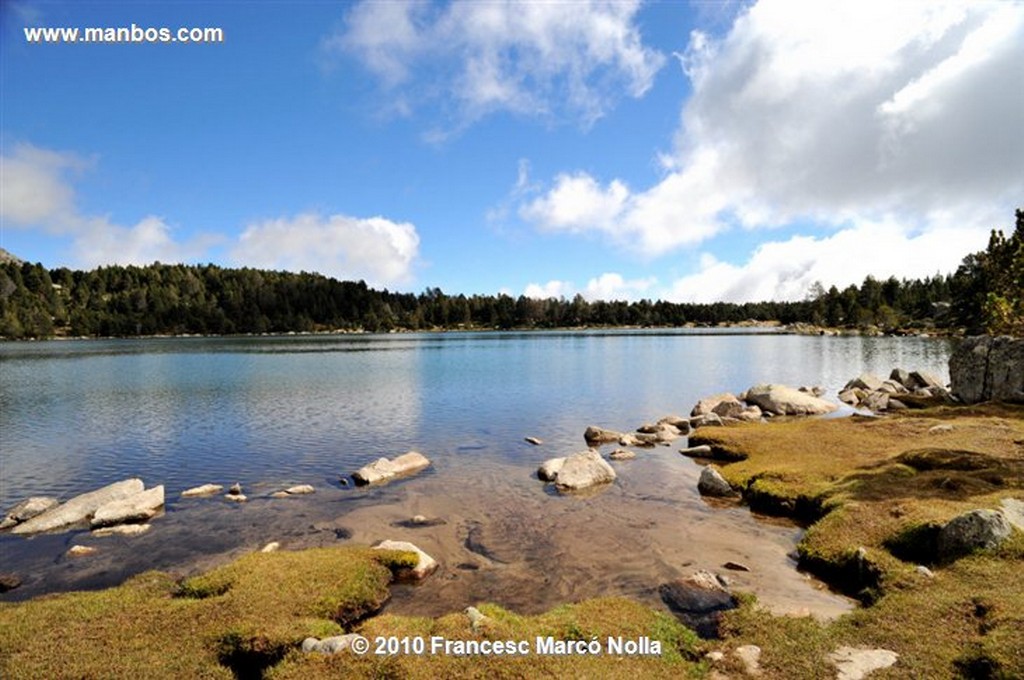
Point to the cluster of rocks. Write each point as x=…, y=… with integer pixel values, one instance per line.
x=384, y=469
x=649, y=435
x=761, y=401
x=121, y=507
x=234, y=493
x=870, y=392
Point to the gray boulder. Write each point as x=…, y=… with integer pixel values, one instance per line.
x=595, y=435
x=27, y=509
x=725, y=404
x=706, y=420
x=583, y=470
x=928, y=380
x=902, y=377
x=79, y=508
x=712, y=483
x=783, y=400
x=855, y=663
x=698, y=600
x=548, y=470
x=135, y=508
x=986, y=368
x=865, y=381
x=680, y=423
x=974, y=530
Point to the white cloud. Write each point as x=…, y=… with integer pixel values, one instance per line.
x=377, y=250
x=552, y=59
x=785, y=270
x=36, y=186
x=608, y=286
x=835, y=114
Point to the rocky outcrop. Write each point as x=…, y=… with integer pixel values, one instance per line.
x=712, y=483
x=782, y=400
x=698, y=600
x=584, y=470
x=135, y=508
x=27, y=509
x=384, y=469
x=79, y=508
x=987, y=368
x=974, y=530
x=425, y=564
x=870, y=392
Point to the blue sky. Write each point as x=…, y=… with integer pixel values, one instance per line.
x=621, y=150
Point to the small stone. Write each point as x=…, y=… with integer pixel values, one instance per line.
x=9, y=581
x=534, y=441
x=236, y=497
x=273, y=546
x=425, y=565
x=300, y=490
x=714, y=657
x=81, y=551
x=702, y=451
x=750, y=657
x=940, y=429
x=476, y=619
x=548, y=470
x=736, y=566
x=622, y=454
x=279, y=494
x=924, y=571
x=235, y=490
x=712, y=483
x=419, y=519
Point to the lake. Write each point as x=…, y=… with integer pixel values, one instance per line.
x=270, y=412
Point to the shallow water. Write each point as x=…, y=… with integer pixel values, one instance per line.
x=271, y=412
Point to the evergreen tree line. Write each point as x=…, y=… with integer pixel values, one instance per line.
x=984, y=295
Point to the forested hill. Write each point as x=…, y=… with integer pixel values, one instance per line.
x=984, y=294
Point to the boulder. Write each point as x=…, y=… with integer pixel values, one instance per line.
x=425, y=565
x=595, y=435
x=122, y=530
x=712, y=483
x=892, y=387
x=707, y=420
x=79, y=508
x=902, y=377
x=876, y=402
x=787, y=401
x=698, y=601
x=855, y=663
x=678, y=422
x=849, y=397
x=27, y=509
x=548, y=470
x=383, y=469
x=928, y=380
x=135, y=508
x=988, y=368
x=299, y=490
x=204, y=490
x=725, y=401
x=974, y=530
x=583, y=470
x=865, y=381
x=750, y=414
x=622, y=454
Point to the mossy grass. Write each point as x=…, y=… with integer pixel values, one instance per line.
x=879, y=491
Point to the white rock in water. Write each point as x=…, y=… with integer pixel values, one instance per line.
x=27, y=509
x=299, y=490
x=783, y=400
x=273, y=546
x=236, y=497
x=548, y=470
x=383, y=469
x=136, y=508
x=425, y=565
x=583, y=470
x=204, y=490
x=122, y=530
x=79, y=508
x=81, y=551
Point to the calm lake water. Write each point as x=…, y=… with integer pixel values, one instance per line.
x=270, y=412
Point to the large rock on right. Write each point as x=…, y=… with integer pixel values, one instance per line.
x=974, y=530
x=988, y=368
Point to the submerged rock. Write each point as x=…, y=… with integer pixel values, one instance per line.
x=383, y=469
x=698, y=600
x=622, y=454
x=79, y=508
x=9, y=581
x=204, y=490
x=598, y=435
x=81, y=551
x=548, y=470
x=583, y=470
x=425, y=565
x=122, y=530
x=27, y=509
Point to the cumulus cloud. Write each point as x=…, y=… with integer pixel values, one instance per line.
x=608, y=286
x=840, y=114
x=37, y=186
x=550, y=59
x=377, y=250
